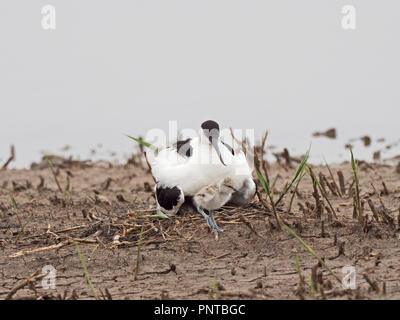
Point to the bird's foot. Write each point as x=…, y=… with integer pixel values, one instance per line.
x=210, y=220
x=216, y=228
x=214, y=224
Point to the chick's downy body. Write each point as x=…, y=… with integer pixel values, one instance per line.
x=215, y=196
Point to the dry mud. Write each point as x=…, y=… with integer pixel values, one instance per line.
x=103, y=213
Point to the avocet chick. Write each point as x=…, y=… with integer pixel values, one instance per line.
x=213, y=197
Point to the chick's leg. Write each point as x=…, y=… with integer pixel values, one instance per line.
x=208, y=219
x=214, y=224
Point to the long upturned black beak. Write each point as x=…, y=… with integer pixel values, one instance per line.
x=214, y=143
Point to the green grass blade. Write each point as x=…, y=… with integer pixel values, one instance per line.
x=358, y=205
x=264, y=184
x=305, y=245
x=157, y=215
x=14, y=207
x=354, y=166
x=297, y=174
x=271, y=197
x=89, y=281
x=26, y=223
x=144, y=143
x=93, y=251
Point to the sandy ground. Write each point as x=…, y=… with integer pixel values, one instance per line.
x=102, y=212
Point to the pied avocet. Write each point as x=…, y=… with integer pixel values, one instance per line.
x=183, y=169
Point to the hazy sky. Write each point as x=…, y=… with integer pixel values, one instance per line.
x=114, y=67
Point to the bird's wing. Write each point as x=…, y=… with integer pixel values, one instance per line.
x=169, y=199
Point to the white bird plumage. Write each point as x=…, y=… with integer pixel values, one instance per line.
x=204, y=161
x=191, y=173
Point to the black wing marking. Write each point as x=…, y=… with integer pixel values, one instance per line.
x=168, y=198
x=228, y=147
x=184, y=148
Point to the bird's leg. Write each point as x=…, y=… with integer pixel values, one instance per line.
x=208, y=219
x=214, y=224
